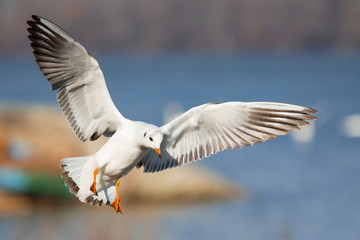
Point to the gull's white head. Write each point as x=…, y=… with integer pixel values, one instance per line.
x=153, y=137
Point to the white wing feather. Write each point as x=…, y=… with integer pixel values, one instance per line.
x=83, y=96
x=212, y=127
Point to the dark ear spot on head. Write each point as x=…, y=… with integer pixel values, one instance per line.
x=95, y=136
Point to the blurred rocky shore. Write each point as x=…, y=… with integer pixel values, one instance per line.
x=33, y=140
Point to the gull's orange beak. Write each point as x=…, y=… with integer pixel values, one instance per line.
x=158, y=151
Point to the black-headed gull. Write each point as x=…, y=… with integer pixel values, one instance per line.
x=85, y=101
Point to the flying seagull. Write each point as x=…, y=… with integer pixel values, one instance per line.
x=85, y=102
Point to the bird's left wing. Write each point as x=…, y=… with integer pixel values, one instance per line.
x=213, y=127
x=83, y=96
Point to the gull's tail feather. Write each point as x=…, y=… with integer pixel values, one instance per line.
x=78, y=175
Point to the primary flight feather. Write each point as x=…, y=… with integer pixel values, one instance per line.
x=86, y=103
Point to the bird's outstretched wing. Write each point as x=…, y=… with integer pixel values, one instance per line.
x=213, y=127
x=83, y=96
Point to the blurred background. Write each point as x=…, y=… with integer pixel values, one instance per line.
x=160, y=58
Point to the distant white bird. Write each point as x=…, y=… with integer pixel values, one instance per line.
x=85, y=101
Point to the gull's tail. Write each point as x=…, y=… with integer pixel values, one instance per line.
x=78, y=175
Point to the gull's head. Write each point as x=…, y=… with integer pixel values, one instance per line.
x=153, y=137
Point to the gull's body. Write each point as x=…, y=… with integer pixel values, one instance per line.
x=85, y=101
x=116, y=158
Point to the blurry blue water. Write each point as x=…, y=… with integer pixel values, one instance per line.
x=295, y=191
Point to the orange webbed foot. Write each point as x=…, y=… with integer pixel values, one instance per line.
x=93, y=185
x=116, y=203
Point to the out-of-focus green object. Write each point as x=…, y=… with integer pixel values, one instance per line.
x=33, y=183
x=45, y=184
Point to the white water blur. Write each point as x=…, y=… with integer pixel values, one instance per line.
x=350, y=126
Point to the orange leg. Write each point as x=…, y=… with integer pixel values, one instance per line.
x=93, y=185
x=116, y=203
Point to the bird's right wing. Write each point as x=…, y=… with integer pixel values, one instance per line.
x=83, y=96
x=213, y=127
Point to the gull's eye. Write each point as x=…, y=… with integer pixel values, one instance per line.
x=151, y=139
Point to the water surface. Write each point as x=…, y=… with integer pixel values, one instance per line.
x=294, y=190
